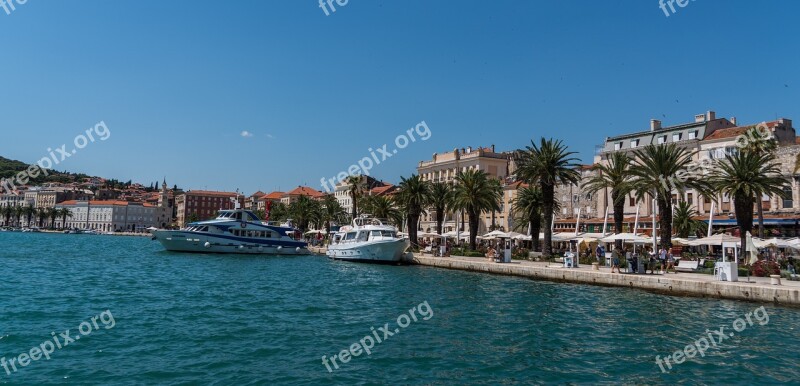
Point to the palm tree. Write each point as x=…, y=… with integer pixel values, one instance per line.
x=760, y=142
x=7, y=212
x=413, y=195
x=41, y=215
x=683, y=221
x=547, y=165
x=278, y=212
x=29, y=211
x=64, y=213
x=18, y=211
x=382, y=207
x=614, y=176
x=303, y=211
x=659, y=170
x=441, y=197
x=53, y=213
x=332, y=211
x=356, y=190
x=745, y=177
x=527, y=211
x=476, y=192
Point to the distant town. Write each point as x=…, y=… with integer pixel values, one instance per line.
x=110, y=206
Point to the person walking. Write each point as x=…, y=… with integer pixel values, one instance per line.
x=670, y=263
x=615, y=260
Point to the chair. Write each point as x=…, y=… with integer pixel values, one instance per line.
x=428, y=249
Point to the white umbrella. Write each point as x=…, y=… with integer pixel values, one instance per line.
x=629, y=237
x=315, y=231
x=776, y=242
x=714, y=240
x=496, y=234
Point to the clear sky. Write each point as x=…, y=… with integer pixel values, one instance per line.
x=178, y=82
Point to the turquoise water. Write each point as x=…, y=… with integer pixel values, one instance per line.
x=212, y=319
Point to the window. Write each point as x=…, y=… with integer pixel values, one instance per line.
x=787, y=202
x=676, y=137
x=693, y=134
x=618, y=146
x=634, y=143
x=631, y=201
x=689, y=198
x=662, y=139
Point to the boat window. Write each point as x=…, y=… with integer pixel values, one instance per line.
x=362, y=236
x=350, y=236
x=202, y=229
x=389, y=234
x=238, y=215
x=374, y=234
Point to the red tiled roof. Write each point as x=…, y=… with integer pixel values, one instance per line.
x=305, y=191
x=273, y=196
x=382, y=189
x=732, y=132
x=257, y=194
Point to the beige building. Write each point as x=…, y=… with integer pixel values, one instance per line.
x=444, y=168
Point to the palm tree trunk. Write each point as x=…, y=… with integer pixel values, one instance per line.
x=665, y=220
x=536, y=227
x=760, y=218
x=619, y=208
x=411, y=223
x=744, y=219
x=548, y=195
x=473, y=229
x=439, y=220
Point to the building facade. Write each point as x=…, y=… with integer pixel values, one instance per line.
x=203, y=204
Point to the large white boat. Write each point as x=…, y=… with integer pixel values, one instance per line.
x=368, y=240
x=233, y=231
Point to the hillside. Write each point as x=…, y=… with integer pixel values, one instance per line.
x=9, y=168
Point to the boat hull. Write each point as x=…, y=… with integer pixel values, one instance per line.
x=390, y=251
x=181, y=241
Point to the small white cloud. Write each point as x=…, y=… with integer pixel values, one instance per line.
x=247, y=134
x=269, y=135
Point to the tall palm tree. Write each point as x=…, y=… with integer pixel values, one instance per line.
x=7, y=212
x=332, y=211
x=18, y=211
x=41, y=216
x=278, y=212
x=29, y=211
x=745, y=177
x=64, y=213
x=412, y=195
x=381, y=207
x=441, y=197
x=53, y=213
x=657, y=171
x=303, y=211
x=683, y=221
x=527, y=211
x=357, y=186
x=613, y=176
x=476, y=192
x=759, y=142
x=547, y=165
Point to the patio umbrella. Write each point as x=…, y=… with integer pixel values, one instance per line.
x=776, y=242
x=315, y=231
x=625, y=237
x=714, y=240
x=496, y=234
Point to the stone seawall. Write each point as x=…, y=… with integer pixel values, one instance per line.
x=701, y=286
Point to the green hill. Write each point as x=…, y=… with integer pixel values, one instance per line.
x=9, y=168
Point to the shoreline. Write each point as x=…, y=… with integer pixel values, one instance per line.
x=758, y=289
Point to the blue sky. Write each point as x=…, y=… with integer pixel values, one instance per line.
x=177, y=82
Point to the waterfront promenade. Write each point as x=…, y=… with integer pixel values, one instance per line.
x=758, y=289
x=687, y=284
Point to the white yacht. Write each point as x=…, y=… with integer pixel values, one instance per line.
x=368, y=240
x=233, y=231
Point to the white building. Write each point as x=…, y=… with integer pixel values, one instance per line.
x=110, y=216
